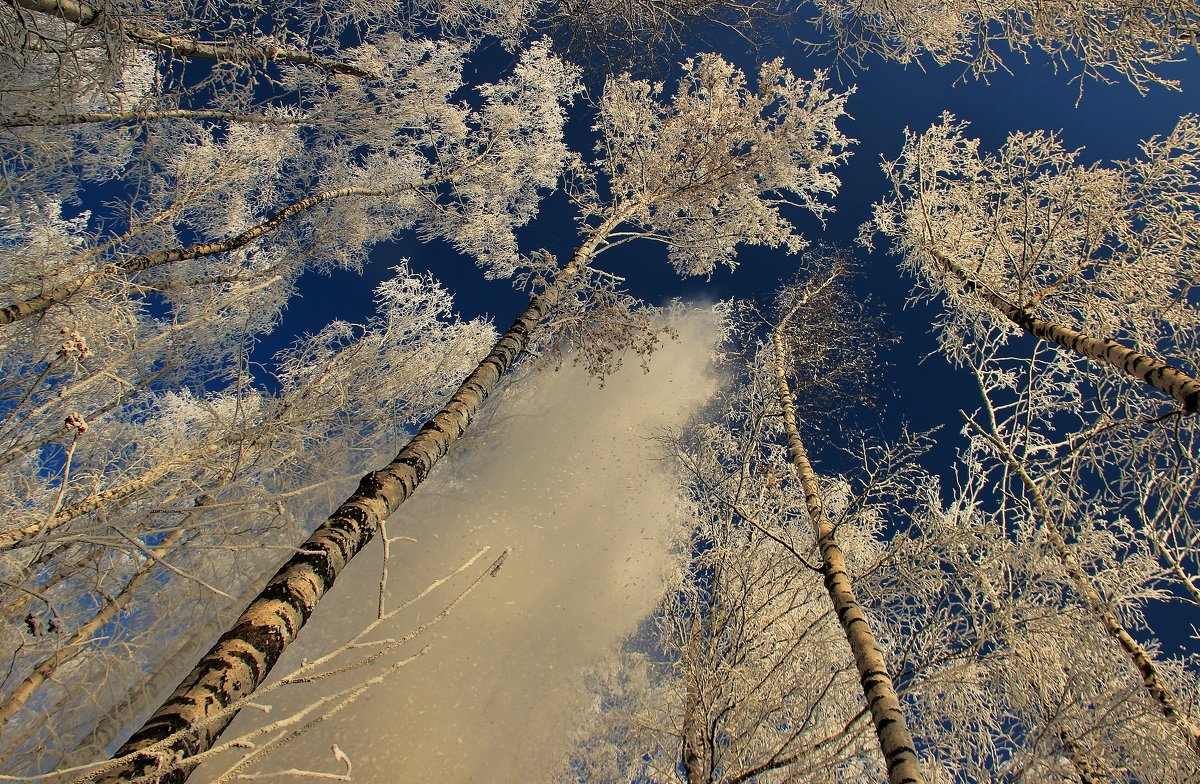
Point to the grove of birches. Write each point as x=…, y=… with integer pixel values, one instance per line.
x=172, y=170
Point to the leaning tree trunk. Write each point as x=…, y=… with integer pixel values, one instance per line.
x=895, y=741
x=1158, y=374
x=1155, y=686
x=210, y=696
x=222, y=51
x=43, y=301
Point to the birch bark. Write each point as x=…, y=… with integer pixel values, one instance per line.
x=208, y=698
x=895, y=741
x=1158, y=374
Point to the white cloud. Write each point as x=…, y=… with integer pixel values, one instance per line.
x=567, y=474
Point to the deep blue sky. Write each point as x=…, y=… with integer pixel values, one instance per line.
x=1108, y=122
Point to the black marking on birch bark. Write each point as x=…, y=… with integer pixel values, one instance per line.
x=281, y=587
x=370, y=486
x=250, y=661
x=163, y=728
x=339, y=530
x=417, y=465
x=282, y=592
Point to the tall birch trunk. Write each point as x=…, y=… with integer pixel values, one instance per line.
x=40, y=303
x=1158, y=374
x=207, y=699
x=692, y=754
x=1158, y=690
x=895, y=741
x=223, y=51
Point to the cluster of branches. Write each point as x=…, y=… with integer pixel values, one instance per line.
x=1013, y=611
x=237, y=149
x=139, y=441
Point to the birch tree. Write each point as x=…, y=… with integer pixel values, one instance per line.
x=1005, y=674
x=613, y=35
x=743, y=673
x=1051, y=446
x=404, y=154
x=1030, y=239
x=1107, y=41
x=748, y=671
x=701, y=171
x=1094, y=258
x=895, y=740
x=61, y=57
x=347, y=393
x=103, y=321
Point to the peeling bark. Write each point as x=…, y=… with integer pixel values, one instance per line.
x=1158, y=374
x=895, y=741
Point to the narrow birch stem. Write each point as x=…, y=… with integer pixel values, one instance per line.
x=1079, y=760
x=242, y=658
x=83, y=635
x=82, y=118
x=895, y=741
x=1158, y=374
x=692, y=752
x=222, y=51
x=43, y=301
x=20, y=536
x=1155, y=687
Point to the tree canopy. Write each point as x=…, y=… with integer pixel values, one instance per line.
x=991, y=580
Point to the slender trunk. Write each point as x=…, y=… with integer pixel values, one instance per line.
x=40, y=303
x=693, y=743
x=20, y=536
x=83, y=636
x=199, y=710
x=61, y=572
x=222, y=51
x=1158, y=374
x=1155, y=687
x=895, y=741
x=81, y=118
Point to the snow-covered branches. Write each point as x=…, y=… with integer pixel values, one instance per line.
x=1031, y=237
x=1102, y=39
x=709, y=167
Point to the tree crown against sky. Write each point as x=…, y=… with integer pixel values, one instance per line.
x=218, y=128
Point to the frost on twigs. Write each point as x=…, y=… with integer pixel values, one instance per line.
x=1109, y=250
x=712, y=165
x=595, y=322
x=1097, y=39
x=516, y=153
